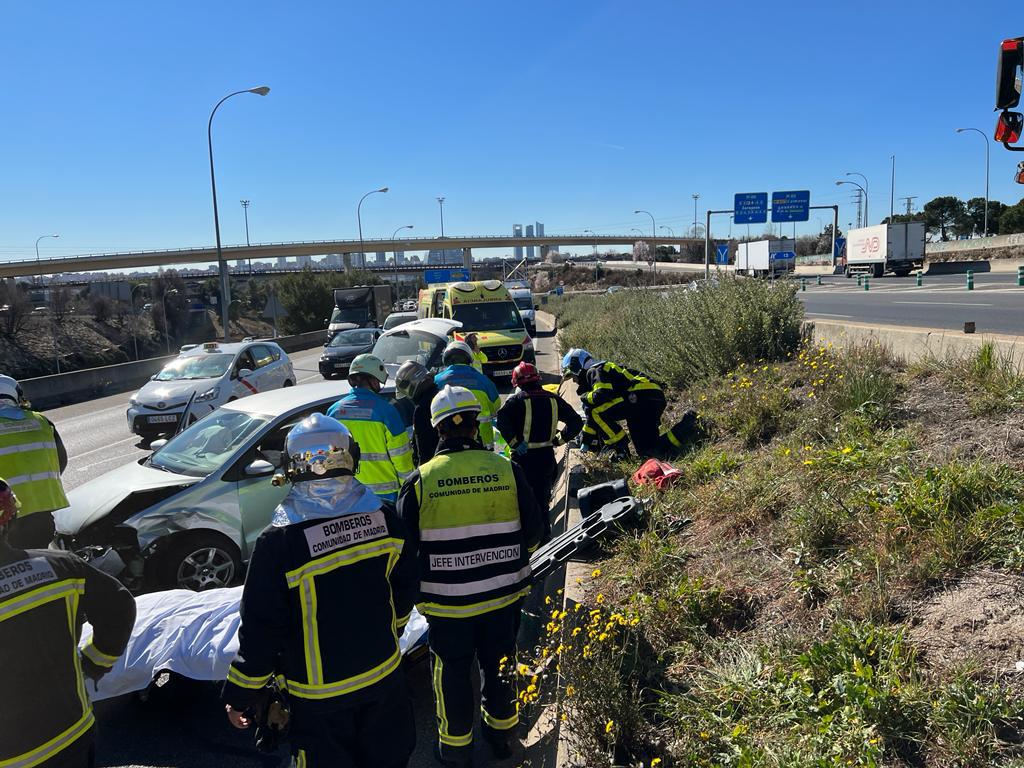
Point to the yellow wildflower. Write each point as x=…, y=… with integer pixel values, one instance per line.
x=609, y=726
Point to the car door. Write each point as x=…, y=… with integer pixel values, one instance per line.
x=250, y=385
x=258, y=496
x=270, y=373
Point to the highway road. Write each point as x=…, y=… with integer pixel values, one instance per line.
x=996, y=305
x=183, y=724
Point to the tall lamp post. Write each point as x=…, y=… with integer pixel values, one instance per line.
x=654, y=247
x=696, y=197
x=245, y=210
x=222, y=266
x=590, y=231
x=985, y=137
x=359, y=221
x=167, y=329
x=393, y=235
x=671, y=231
x=38, y=265
x=135, y=317
x=865, y=190
x=440, y=204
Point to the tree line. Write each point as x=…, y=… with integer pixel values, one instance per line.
x=948, y=217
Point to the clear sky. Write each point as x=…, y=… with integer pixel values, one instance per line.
x=571, y=113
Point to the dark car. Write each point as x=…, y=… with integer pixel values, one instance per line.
x=340, y=351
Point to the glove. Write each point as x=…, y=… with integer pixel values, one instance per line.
x=522, y=448
x=557, y=440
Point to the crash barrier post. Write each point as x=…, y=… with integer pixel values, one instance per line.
x=919, y=280
x=819, y=279
x=867, y=283
x=1020, y=276
x=803, y=283
x=970, y=280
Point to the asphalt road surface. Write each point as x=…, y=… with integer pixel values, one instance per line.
x=183, y=723
x=996, y=305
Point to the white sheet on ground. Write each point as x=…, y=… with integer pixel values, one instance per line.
x=194, y=634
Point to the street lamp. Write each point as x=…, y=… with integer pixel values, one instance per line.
x=863, y=192
x=984, y=136
x=245, y=209
x=359, y=221
x=222, y=266
x=135, y=318
x=393, y=235
x=637, y=230
x=654, y=254
x=585, y=231
x=41, y=237
x=696, y=197
x=440, y=203
x=865, y=188
x=167, y=329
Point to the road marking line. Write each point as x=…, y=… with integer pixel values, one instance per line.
x=103, y=448
x=830, y=314
x=945, y=303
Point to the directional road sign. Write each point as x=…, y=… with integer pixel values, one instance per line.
x=791, y=206
x=840, y=247
x=722, y=254
x=750, y=208
x=783, y=256
x=445, y=275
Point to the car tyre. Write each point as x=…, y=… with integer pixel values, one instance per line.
x=198, y=561
x=288, y=383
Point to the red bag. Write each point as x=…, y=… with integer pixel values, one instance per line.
x=657, y=472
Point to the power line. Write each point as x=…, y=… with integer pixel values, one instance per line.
x=910, y=203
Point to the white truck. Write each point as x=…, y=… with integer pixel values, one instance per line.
x=896, y=248
x=523, y=297
x=766, y=258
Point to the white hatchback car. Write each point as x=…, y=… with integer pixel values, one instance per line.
x=210, y=375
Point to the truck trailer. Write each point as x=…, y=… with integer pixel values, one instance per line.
x=766, y=258
x=875, y=251
x=364, y=306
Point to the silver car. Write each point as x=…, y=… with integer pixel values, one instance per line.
x=189, y=515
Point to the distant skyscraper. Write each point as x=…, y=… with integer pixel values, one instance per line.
x=529, y=248
x=382, y=258
x=282, y=262
x=303, y=261
x=333, y=260
x=445, y=256
x=517, y=231
x=240, y=265
x=539, y=229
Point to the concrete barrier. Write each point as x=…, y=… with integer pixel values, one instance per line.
x=78, y=386
x=956, y=267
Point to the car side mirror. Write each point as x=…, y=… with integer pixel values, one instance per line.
x=153, y=377
x=1011, y=62
x=1008, y=128
x=1019, y=178
x=244, y=372
x=156, y=445
x=259, y=468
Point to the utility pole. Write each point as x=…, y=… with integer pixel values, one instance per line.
x=245, y=209
x=910, y=203
x=859, y=201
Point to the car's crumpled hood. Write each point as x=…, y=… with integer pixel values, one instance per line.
x=95, y=499
x=172, y=391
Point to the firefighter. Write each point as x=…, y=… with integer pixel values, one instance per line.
x=611, y=394
x=413, y=381
x=329, y=588
x=459, y=372
x=32, y=457
x=528, y=420
x=377, y=427
x=474, y=520
x=45, y=596
x=479, y=357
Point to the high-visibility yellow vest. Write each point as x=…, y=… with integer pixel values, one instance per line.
x=472, y=555
x=29, y=463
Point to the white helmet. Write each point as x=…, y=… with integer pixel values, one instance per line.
x=319, y=447
x=452, y=401
x=371, y=365
x=457, y=353
x=10, y=389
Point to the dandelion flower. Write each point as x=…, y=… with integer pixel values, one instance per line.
x=570, y=690
x=595, y=573
x=847, y=449
x=655, y=762
x=609, y=726
x=600, y=598
x=808, y=462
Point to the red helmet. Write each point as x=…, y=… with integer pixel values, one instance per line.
x=525, y=373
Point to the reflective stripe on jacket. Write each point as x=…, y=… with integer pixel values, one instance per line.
x=385, y=452
x=479, y=358
x=44, y=599
x=484, y=390
x=476, y=527
x=324, y=604
x=606, y=381
x=29, y=463
x=533, y=415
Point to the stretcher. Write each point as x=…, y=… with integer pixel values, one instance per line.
x=193, y=634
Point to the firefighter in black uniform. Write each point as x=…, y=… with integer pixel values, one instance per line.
x=612, y=393
x=45, y=596
x=329, y=589
x=475, y=522
x=415, y=383
x=528, y=420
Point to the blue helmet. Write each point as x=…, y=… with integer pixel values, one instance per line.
x=576, y=361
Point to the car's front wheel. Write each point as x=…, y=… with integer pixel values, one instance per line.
x=288, y=383
x=198, y=562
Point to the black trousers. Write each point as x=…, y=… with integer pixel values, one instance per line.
x=375, y=729
x=454, y=644
x=540, y=468
x=33, y=531
x=643, y=420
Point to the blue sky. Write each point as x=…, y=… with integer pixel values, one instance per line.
x=571, y=113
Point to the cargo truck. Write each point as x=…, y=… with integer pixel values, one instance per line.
x=364, y=306
x=766, y=258
x=883, y=248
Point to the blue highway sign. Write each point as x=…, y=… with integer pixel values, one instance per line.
x=840, y=247
x=791, y=206
x=722, y=254
x=445, y=275
x=750, y=208
x=782, y=256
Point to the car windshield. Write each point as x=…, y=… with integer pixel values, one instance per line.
x=397, y=319
x=524, y=302
x=205, y=366
x=208, y=444
x=397, y=347
x=488, y=316
x=357, y=315
x=353, y=338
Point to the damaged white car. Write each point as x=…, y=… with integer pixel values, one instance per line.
x=189, y=515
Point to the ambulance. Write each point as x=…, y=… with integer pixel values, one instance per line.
x=487, y=309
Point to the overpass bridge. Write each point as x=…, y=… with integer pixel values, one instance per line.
x=207, y=255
